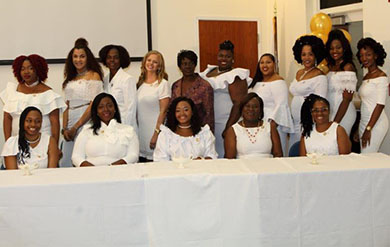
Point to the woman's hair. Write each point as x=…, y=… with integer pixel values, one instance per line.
x=187, y=54
x=347, y=51
x=306, y=117
x=259, y=75
x=227, y=45
x=172, y=122
x=39, y=64
x=375, y=46
x=70, y=71
x=161, y=74
x=95, y=119
x=316, y=44
x=124, y=56
x=247, y=98
x=24, y=147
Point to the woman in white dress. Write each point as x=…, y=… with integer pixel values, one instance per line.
x=320, y=135
x=153, y=97
x=30, y=146
x=31, y=73
x=342, y=80
x=230, y=86
x=272, y=89
x=373, y=124
x=119, y=83
x=183, y=136
x=252, y=137
x=83, y=81
x=105, y=141
x=308, y=51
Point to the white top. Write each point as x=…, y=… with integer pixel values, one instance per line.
x=170, y=144
x=258, y=146
x=301, y=89
x=15, y=102
x=323, y=142
x=80, y=92
x=38, y=154
x=113, y=142
x=148, y=109
x=275, y=97
x=124, y=89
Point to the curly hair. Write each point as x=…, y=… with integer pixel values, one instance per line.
x=171, y=121
x=124, y=56
x=375, y=46
x=347, y=51
x=187, y=54
x=227, y=45
x=161, y=74
x=247, y=98
x=259, y=75
x=306, y=117
x=70, y=71
x=316, y=44
x=95, y=119
x=39, y=64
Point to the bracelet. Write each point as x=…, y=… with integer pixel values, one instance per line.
x=157, y=131
x=63, y=130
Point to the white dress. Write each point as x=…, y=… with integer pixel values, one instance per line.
x=323, y=142
x=38, y=154
x=113, y=142
x=373, y=92
x=124, y=89
x=148, y=109
x=337, y=83
x=79, y=93
x=170, y=144
x=301, y=89
x=254, y=147
x=15, y=102
x=222, y=101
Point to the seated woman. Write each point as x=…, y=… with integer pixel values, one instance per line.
x=252, y=137
x=105, y=141
x=327, y=137
x=183, y=134
x=30, y=146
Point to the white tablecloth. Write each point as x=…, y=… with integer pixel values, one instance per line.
x=343, y=201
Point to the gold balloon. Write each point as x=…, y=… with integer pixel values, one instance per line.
x=323, y=66
x=321, y=22
x=346, y=34
x=320, y=35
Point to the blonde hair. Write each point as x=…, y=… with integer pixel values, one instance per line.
x=161, y=74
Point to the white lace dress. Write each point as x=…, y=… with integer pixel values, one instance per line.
x=323, y=142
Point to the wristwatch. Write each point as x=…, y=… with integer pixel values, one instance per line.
x=368, y=128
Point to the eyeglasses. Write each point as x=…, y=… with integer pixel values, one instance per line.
x=318, y=110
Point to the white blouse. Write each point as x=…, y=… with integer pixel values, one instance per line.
x=113, y=142
x=170, y=144
x=15, y=102
x=323, y=142
x=38, y=154
x=124, y=89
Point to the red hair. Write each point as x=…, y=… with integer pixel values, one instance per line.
x=38, y=62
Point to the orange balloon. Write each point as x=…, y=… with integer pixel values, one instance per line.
x=321, y=22
x=320, y=35
x=346, y=34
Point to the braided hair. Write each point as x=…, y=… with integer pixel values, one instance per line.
x=23, y=146
x=306, y=117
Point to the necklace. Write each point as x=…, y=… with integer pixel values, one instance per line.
x=32, y=84
x=372, y=72
x=223, y=71
x=305, y=72
x=184, y=127
x=34, y=141
x=82, y=73
x=252, y=137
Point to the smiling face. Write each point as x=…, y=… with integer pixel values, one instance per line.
x=267, y=66
x=79, y=58
x=225, y=59
x=106, y=110
x=336, y=50
x=28, y=73
x=320, y=112
x=251, y=111
x=152, y=63
x=187, y=67
x=113, y=60
x=183, y=113
x=367, y=57
x=32, y=124
x=308, y=57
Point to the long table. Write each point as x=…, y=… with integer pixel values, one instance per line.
x=342, y=201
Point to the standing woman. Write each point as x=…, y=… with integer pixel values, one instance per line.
x=342, y=80
x=192, y=86
x=31, y=73
x=230, y=87
x=373, y=123
x=308, y=51
x=83, y=81
x=120, y=84
x=272, y=89
x=153, y=97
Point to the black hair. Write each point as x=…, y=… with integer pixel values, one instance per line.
x=124, y=56
x=247, y=98
x=316, y=44
x=375, y=46
x=172, y=122
x=306, y=117
x=186, y=54
x=23, y=146
x=95, y=119
x=227, y=45
x=259, y=75
x=347, y=51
